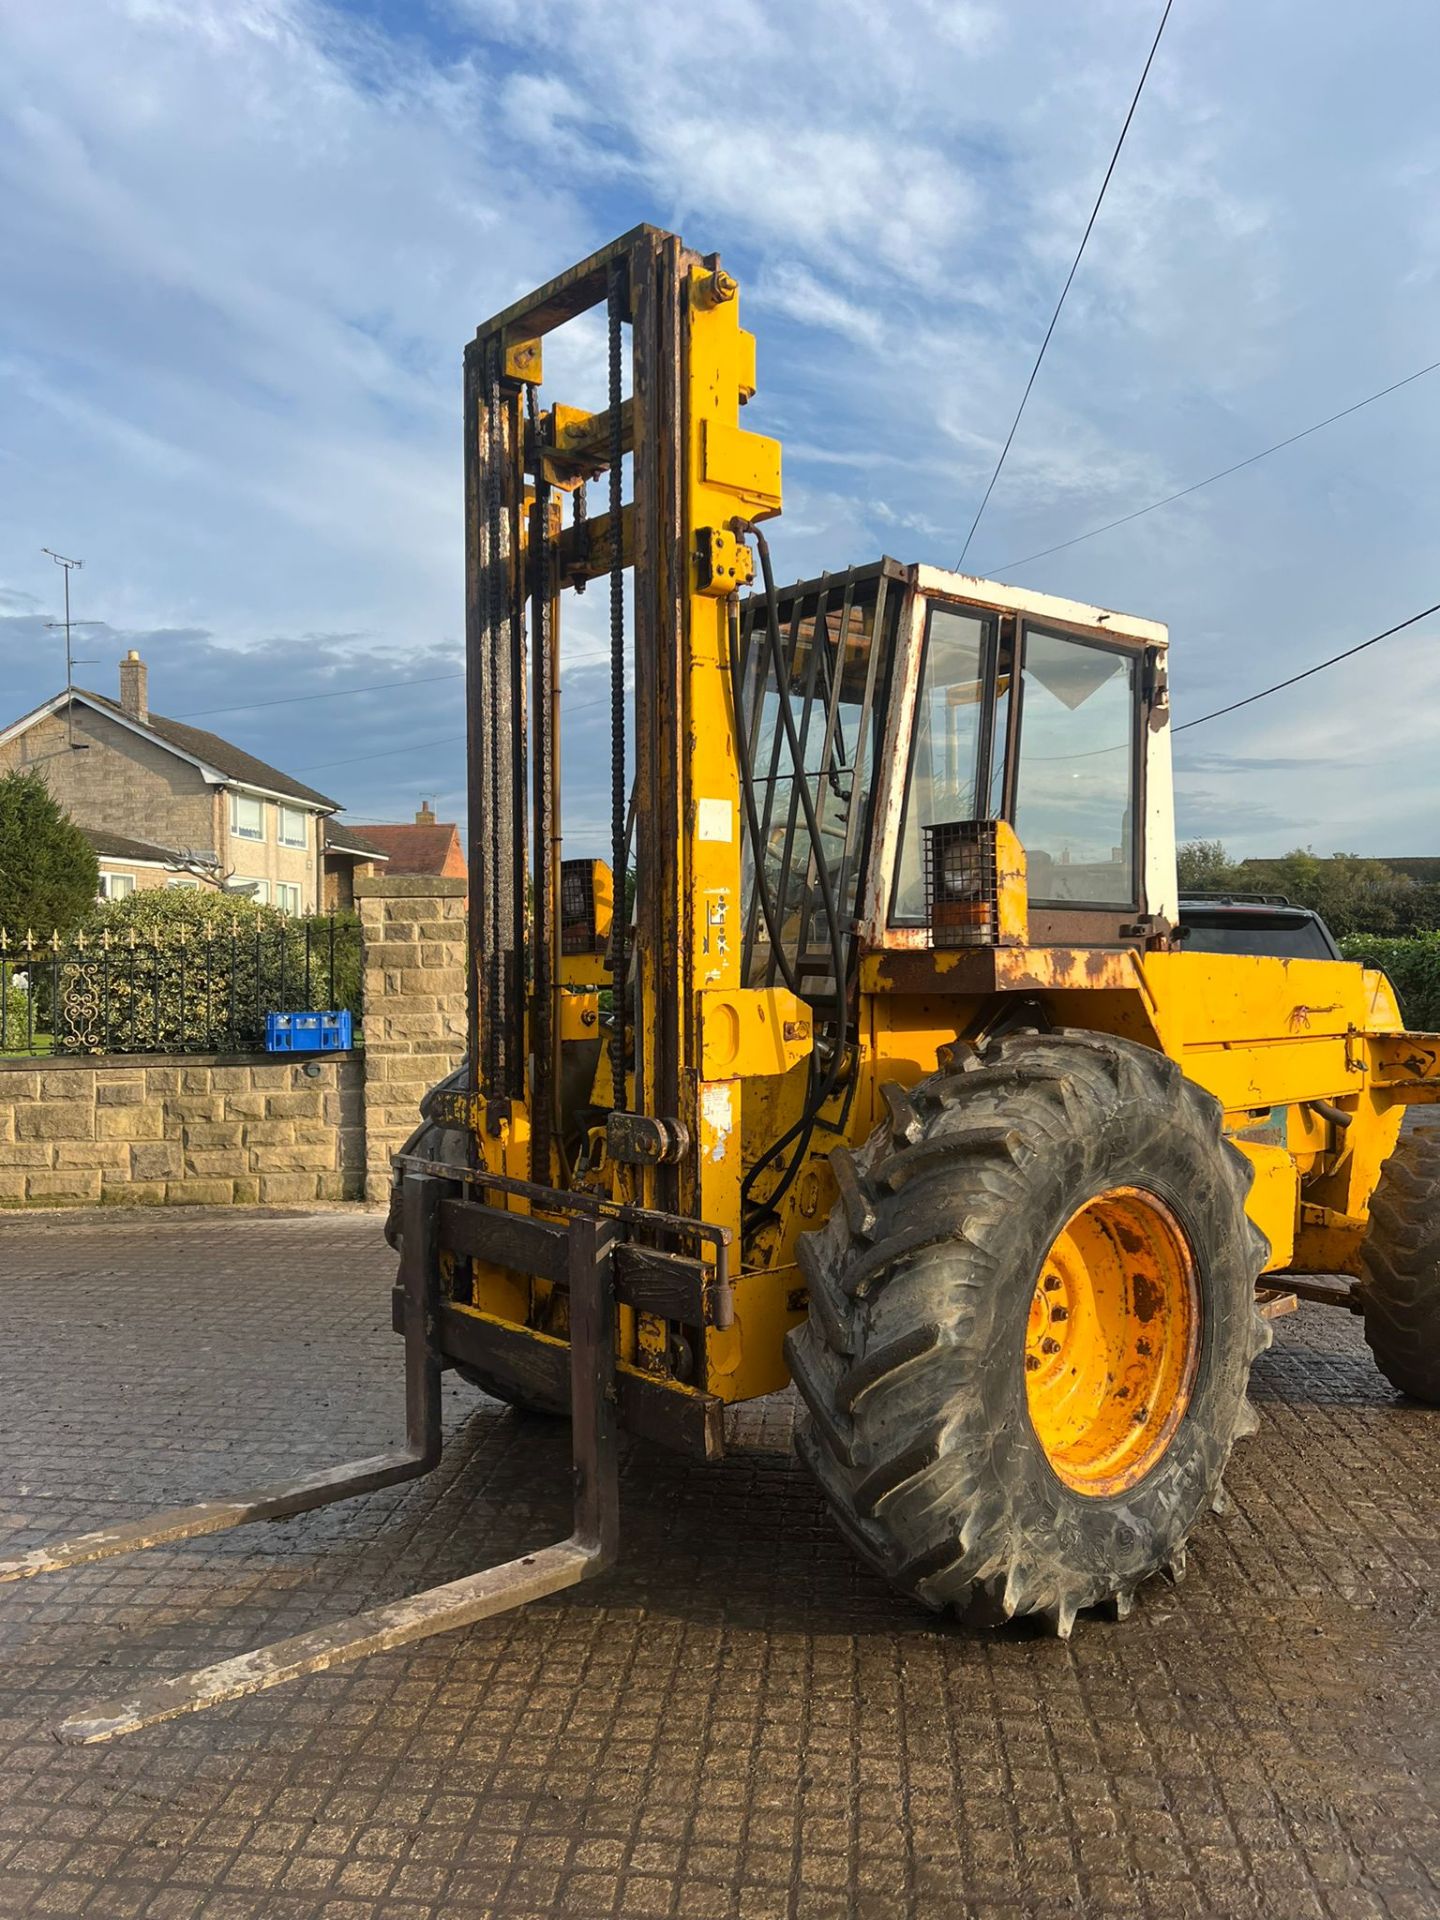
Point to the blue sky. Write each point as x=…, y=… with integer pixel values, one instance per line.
x=243, y=241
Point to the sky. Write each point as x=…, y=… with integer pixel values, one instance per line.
x=242, y=243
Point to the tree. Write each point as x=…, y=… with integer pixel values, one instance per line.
x=49, y=875
x=1205, y=867
x=1351, y=894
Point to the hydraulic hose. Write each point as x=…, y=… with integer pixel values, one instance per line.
x=804, y=1127
x=752, y=817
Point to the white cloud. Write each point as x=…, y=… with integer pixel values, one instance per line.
x=246, y=239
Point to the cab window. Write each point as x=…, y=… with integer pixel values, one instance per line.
x=946, y=745
x=1075, y=782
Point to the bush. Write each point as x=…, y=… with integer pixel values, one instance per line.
x=1413, y=967
x=14, y=1018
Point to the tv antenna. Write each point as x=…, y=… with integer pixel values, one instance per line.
x=71, y=663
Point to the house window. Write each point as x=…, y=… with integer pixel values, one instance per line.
x=247, y=817
x=115, y=886
x=287, y=898
x=292, y=827
x=183, y=886
x=259, y=890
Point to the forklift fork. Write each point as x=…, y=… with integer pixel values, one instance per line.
x=589, y=1549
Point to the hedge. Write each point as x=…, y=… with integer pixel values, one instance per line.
x=1413, y=965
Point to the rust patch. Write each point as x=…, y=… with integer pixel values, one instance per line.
x=1148, y=1298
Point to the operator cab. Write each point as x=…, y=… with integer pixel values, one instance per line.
x=921, y=700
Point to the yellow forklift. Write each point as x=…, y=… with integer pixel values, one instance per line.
x=873, y=1058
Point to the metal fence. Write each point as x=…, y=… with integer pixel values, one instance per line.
x=186, y=990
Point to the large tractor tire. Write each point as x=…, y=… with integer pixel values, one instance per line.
x=1400, y=1288
x=451, y=1147
x=1032, y=1322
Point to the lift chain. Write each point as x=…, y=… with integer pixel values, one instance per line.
x=545, y=904
x=620, y=923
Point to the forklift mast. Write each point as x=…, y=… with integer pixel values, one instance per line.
x=683, y=1027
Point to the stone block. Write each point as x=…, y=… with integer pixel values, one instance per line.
x=269, y=1133
x=68, y=1083
x=155, y=1160
x=129, y=1092
x=162, y=1080
x=216, y=1163
x=132, y=1193
x=424, y=983
x=130, y=1123
x=27, y=1153
x=215, y=1133
x=293, y=1159
x=195, y=1079
x=55, y=1120
x=246, y=1190
x=19, y=1086
x=230, y=1080
x=12, y=1187
x=191, y=1106
x=199, y=1193
x=272, y=1078
x=393, y=953
x=74, y=1183
x=246, y=1104
x=111, y=1156
x=287, y=1188
x=298, y=1104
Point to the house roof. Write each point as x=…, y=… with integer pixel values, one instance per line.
x=223, y=755
x=118, y=846
x=349, y=840
x=420, y=849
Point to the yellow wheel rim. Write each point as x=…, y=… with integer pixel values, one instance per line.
x=1112, y=1341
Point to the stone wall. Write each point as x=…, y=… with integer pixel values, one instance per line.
x=413, y=936
x=220, y=1129
x=197, y=1129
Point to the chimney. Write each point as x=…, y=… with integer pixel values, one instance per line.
x=134, y=690
x=426, y=816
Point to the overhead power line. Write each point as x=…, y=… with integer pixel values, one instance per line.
x=333, y=693
x=420, y=746
x=1319, y=667
x=339, y=693
x=1224, y=473
x=1074, y=267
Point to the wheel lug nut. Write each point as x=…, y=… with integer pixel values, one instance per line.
x=1031, y=1363
x=1047, y=1345
x=1059, y=1313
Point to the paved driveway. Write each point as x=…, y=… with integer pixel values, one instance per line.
x=741, y=1722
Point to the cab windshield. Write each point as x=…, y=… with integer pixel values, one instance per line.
x=1063, y=767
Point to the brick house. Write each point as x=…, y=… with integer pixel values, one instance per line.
x=427, y=847
x=349, y=855
x=169, y=805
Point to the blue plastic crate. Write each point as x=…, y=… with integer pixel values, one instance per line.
x=307, y=1032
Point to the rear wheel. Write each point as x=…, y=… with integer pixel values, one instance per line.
x=1400, y=1291
x=1031, y=1329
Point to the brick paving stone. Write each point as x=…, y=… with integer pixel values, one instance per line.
x=741, y=1723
